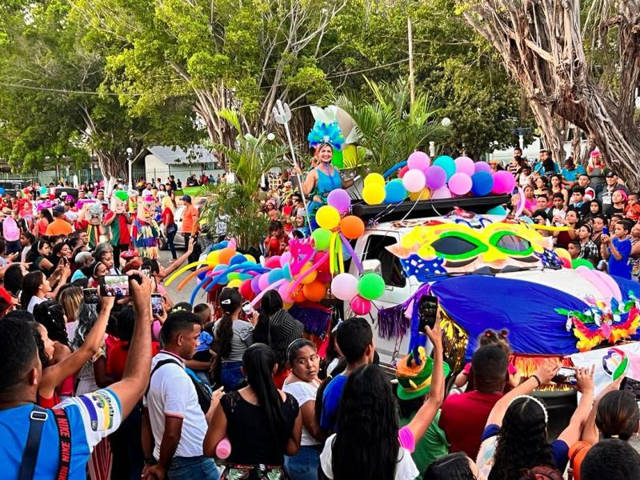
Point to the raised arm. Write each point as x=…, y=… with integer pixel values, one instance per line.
x=165, y=272
x=543, y=375
x=429, y=408
x=55, y=374
x=136, y=371
x=571, y=434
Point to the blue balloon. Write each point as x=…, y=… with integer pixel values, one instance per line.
x=482, y=183
x=395, y=191
x=447, y=164
x=275, y=275
x=237, y=259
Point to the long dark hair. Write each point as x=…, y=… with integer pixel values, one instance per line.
x=34, y=252
x=618, y=415
x=258, y=362
x=522, y=442
x=30, y=284
x=454, y=466
x=230, y=301
x=366, y=445
x=271, y=303
x=50, y=315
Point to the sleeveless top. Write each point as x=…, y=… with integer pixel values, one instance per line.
x=327, y=183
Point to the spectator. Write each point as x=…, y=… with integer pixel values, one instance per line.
x=596, y=171
x=571, y=172
x=606, y=194
x=355, y=340
x=557, y=186
x=559, y=211
x=89, y=418
x=598, y=226
x=611, y=459
x=588, y=249
x=574, y=249
x=173, y=419
x=617, y=250
x=261, y=422
x=524, y=178
x=59, y=226
x=302, y=384
x=564, y=237
x=632, y=210
x=584, y=181
x=232, y=337
x=189, y=223
x=463, y=416
x=10, y=231
x=619, y=203
x=455, y=466
x=168, y=221
x=41, y=225
x=26, y=242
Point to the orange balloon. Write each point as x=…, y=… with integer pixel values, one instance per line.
x=298, y=295
x=315, y=291
x=309, y=278
x=226, y=254
x=352, y=227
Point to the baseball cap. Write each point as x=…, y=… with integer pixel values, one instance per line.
x=609, y=173
x=186, y=198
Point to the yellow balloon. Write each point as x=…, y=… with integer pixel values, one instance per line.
x=213, y=258
x=562, y=253
x=373, y=194
x=286, y=305
x=328, y=217
x=250, y=258
x=309, y=278
x=374, y=179
x=424, y=194
x=234, y=283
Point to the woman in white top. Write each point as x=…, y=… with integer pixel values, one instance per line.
x=369, y=443
x=302, y=383
x=35, y=288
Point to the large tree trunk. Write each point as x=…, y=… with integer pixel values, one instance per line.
x=540, y=42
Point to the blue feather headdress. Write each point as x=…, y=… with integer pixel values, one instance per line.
x=326, y=133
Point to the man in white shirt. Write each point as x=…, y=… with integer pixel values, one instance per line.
x=173, y=419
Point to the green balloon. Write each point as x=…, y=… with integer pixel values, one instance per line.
x=371, y=286
x=322, y=238
x=577, y=262
x=337, y=159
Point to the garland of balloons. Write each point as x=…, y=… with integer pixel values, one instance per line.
x=422, y=179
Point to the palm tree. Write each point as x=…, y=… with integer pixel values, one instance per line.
x=389, y=126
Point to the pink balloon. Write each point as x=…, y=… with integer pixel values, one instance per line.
x=460, y=184
x=482, y=167
x=441, y=193
x=359, y=305
x=344, y=286
x=285, y=258
x=340, y=200
x=418, y=160
x=402, y=171
x=414, y=180
x=263, y=281
x=324, y=276
x=503, y=182
x=283, y=291
x=436, y=177
x=465, y=165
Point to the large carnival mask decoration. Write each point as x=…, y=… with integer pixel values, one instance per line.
x=441, y=248
x=95, y=213
x=119, y=201
x=146, y=207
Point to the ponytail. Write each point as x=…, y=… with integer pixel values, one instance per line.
x=224, y=335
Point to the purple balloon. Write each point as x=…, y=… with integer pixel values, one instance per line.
x=482, y=167
x=436, y=177
x=340, y=200
x=254, y=284
x=441, y=193
x=419, y=161
x=465, y=165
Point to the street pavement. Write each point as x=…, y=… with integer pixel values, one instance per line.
x=184, y=295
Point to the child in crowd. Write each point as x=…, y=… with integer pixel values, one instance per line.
x=632, y=210
x=617, y=249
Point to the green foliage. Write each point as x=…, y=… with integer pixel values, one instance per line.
x=389, y=127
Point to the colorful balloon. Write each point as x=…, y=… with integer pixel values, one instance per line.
x=465, y=165
x=371, y=286
x=352, y=227
x=314, y=291
x=402, y=171
x=373, y=194
x=460, y=184
x=414, y=180
x=374, y=179
x=234, y=283
x=503, y=182
x=436, y=177
x=441, y=193
x=340, y=200
x=395, y=191
x=246, y=291
x=418, y=160
x=482, y=167
x=359, y=305
x=447, y=164
x=309, y=278
x=581, y=262
x=272, y=262
x=482, y=183
x=226, y=254
x=424, y=194
x=328, y=217
x=321, y=238
x=344, y=286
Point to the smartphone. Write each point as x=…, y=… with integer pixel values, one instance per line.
x=247, y=308
x=157, y=304
x=427, y=310
x=605, y=231
x=114, y=286
x=90, y=295
x=565, y=375
x=146, y=272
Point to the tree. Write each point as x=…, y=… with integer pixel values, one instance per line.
x=55, y=107
x=542, y=46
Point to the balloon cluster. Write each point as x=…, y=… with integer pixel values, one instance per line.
x=421, y=179
x=567, y=262
x=304, y=273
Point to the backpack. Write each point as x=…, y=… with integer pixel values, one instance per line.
x=203, y=391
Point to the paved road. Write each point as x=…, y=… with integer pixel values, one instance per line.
x=172, y=290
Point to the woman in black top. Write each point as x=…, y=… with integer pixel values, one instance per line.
x=261, y=422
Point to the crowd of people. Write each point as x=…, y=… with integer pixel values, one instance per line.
x=105, y=377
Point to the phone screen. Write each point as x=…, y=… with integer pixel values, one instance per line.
x=157, y=304
x=427, y=309
x=114, y=286
x=247, y=308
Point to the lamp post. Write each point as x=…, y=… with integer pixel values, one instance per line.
x=130, y=161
